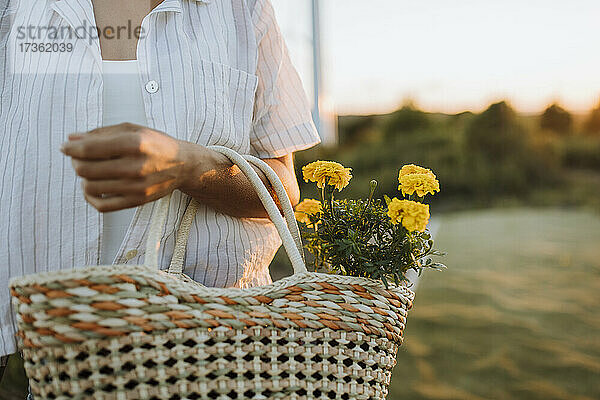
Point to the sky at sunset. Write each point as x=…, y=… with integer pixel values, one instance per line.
x=450, y=56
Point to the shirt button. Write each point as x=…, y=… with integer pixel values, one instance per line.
x=130, y=254
x=152, y=87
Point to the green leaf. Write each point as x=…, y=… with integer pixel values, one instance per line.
x=358, y=239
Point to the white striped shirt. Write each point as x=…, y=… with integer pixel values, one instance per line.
x=214, y=73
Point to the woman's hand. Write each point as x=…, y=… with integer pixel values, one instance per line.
x=127, y=165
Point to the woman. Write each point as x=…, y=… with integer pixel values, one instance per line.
x=133, y=110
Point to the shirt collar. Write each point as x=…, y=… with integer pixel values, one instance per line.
x=173, y=5
x=79, y=14
x=78, y=9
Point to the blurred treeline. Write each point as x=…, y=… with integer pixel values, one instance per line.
x=496, y=158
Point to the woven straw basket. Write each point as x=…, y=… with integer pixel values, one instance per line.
x=134, y=332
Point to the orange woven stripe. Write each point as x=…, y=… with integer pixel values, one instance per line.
x=40, y=288
x=105, y=289
x=327, y=316
x=82, y=282
x=358, y=288
x=379, y=311
x=198, y=299
x=279, y=324
x=301, y=324
x=393, y=295
x=57, y=294
x=394, y=302
x=388, y=326
x=227, y=300
x=330, y=324
x=327, y=285
x=219, y=314
x=178, y=315
x=294, y=297
x=64, y=339
x=312, y=303
x=108, y=305
x=366, y=295
x=28, y=318
x=258, y=314
x=124, y=278
x=348, y=307
x=22, y=299
x=86, y=326
x=139, y=321
x=291, y=316
x=183, y=324
x=60, y=312
x=164, y=290
x=109, y=332
x=264, y=299
x=90, y=326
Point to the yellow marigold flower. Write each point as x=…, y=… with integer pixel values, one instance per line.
x=305, y=208
x=327, y=173
x=308, y=171
x=417, y=179
x=413, y=169
x=413, y=216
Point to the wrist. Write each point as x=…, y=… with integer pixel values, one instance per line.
x=197, y=163
x=192, y=156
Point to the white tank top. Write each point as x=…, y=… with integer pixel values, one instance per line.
x=122, y=102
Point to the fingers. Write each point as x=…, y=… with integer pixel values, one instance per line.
x=124, y=165
x=133, y=198
x=135, y=187
x=115, y=187
x=124, y=168
x=113, y=203
x=104, y=143
x=119, y=168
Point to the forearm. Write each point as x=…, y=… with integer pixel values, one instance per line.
x=212, y=179
x=128, y=165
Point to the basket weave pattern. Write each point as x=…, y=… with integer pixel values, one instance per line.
x=133, y=332
x=312, y=335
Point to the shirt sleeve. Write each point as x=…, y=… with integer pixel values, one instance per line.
x=282, y=121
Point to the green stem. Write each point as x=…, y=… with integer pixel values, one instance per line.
x=373, y=186
x=318, y=255
x=332, y=204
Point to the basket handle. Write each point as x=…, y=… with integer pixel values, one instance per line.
x=288, y=232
